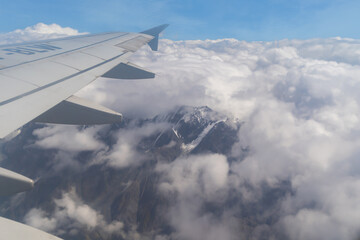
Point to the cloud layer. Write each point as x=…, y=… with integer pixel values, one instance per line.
x=299, y=101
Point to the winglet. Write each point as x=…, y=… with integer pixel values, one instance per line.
x=155, y=32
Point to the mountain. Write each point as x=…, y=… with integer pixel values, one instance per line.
x=82, y=195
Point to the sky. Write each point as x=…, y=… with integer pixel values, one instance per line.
x=250, y=20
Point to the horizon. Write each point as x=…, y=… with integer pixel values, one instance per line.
x=250, y=21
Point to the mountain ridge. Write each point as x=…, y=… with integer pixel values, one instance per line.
x=126, y=195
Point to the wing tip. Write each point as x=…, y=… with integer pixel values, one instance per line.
x=155, y=31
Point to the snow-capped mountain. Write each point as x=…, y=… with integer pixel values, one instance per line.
x=124, y=201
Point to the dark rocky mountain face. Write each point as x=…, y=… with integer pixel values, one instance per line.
x=122, y=197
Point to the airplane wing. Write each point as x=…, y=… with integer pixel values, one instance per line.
x=37, y=83
x=11, y=230
x=38, y=79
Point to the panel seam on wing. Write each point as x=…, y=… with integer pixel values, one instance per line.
x=92, y=55
x=57, y=82
x=18, y=79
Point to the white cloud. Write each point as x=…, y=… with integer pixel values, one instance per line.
x=192, y=181
x=312, y=224
x=37, y=218
x=123, y=153
x=202, y=174
x=68, y=141
x=39, y=31
x=71, y=214
x=67, y=138
x=190, y=224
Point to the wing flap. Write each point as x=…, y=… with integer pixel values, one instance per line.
x=78, y=111
x=11, y=182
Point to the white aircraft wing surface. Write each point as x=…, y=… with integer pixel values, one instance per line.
x=37, y=83
x=38, y=79
x=11, y=230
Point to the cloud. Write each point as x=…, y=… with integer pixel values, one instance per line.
x=67, y=138
x=39, y=31
x=299, y=101
x=68, y=142
x=123, y=152
x=203, y=175
x=192, y=181
x=300, y=110
x=37, y=218
x=71, y=214
x=301, y=225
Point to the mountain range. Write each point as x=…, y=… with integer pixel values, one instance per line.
x=126, y=195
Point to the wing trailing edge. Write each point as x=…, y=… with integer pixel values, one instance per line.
x=154, y=43
x=78, y=111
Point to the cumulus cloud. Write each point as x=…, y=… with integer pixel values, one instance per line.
x=124, y=153
x=299, y=103
x=37, y=218
x=203, y=175
x=39, y=31
x=71, y=214
x=192, y=181
x=67, y=138
x=68, y=142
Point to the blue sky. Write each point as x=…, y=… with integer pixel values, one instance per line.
x=193, y=19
